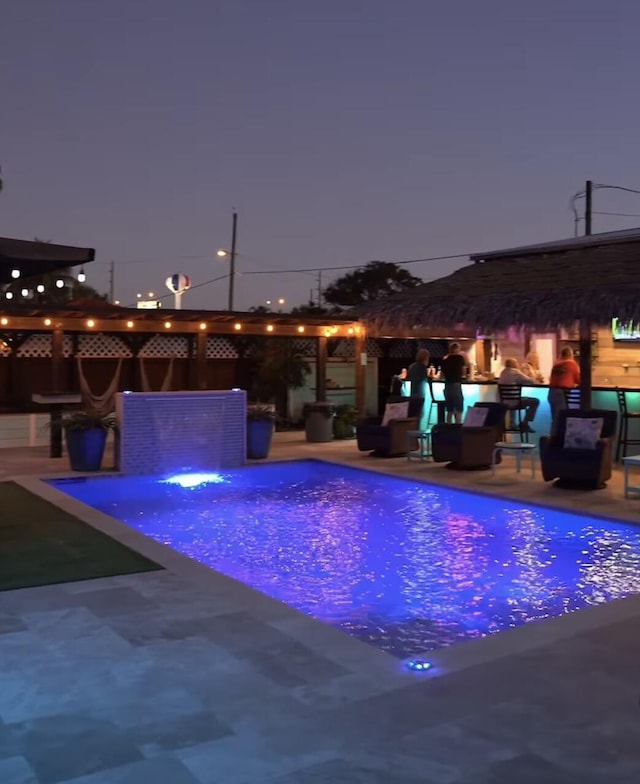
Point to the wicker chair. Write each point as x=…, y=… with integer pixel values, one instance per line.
x=469, y=448
x=577, y=467
x=389, y=440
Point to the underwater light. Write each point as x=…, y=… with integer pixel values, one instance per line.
x=419, y=665
x=193, y=480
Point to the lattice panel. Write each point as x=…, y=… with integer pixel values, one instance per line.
x=36, y=346
x=166, y=346
x=221, y=348
x=372, y=348
x=345, y=348
x=305, y=346
x=100, y=345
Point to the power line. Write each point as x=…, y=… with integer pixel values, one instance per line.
x=358, y=266
x=620, y=214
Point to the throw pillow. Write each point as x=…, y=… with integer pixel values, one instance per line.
x=395, y=411
x=582, y=432
x=476, y=417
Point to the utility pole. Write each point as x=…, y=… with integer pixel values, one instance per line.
x=585, y=325
x=232, y=263
x=588, y=207
x=112, y=282
x=319, y=288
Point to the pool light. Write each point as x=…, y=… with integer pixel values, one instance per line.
x=419, y=665
x=189, y=481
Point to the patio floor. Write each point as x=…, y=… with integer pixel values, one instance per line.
x=178, y=677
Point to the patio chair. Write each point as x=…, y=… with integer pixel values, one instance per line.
x=469, y=447
x=579, y=455
x=389, y=439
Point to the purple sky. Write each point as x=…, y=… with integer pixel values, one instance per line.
x=341, y=130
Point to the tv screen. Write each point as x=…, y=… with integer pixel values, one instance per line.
x=625, y=330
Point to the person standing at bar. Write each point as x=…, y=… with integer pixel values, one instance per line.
x=565, y=374
x=454, y=370
x=417, y=374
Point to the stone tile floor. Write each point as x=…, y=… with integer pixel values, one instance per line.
x=153, y=678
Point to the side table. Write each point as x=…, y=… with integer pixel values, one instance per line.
x=518, y=449
x=424, y=444
x=632, y=460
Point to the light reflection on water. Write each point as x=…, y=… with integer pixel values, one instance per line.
x=405, y=566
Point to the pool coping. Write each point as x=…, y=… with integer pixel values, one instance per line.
x=350, y=652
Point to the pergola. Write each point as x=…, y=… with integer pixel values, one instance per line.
x=136, y=325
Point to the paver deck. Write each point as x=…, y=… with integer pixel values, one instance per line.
x=163, y=677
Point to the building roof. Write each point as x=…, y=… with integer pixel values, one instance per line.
x=560, y=246
x=38, y=258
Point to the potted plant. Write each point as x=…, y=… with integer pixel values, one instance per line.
x=86, y=437
x=261, y=422
x=344, y=423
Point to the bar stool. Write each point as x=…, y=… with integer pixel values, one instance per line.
x=625, y=417
x=510, y=395
x=439, y=403
x=572, y=397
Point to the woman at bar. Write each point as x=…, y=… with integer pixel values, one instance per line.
x=417, y=374
x=531, y=367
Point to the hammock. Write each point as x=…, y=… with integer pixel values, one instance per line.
x=168, y=377
x=99, y=404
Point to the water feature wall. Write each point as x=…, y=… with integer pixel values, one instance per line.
x=173, y=432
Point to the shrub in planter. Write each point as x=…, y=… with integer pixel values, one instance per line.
x=86, y=437
x=344, y=423
x=261, y=422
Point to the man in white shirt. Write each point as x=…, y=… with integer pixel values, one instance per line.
x=512, y=375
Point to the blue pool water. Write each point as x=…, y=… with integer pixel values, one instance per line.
x=405, y=566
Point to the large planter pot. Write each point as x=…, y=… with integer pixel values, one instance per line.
x=86, y=448
x=259, y=435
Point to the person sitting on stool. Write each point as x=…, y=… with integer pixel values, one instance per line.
x=511, y=375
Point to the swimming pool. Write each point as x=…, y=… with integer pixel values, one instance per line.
x=405, y=566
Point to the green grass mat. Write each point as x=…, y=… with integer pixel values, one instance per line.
x=41, y=544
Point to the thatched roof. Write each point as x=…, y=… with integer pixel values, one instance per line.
x=37, y=258
x=542, y=287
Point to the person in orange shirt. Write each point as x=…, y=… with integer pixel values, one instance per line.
x=565, y=374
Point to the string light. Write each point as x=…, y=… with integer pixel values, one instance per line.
x=4, y=321
x=40, y=288
x=15, y=274
x=47, y=322
x=9, y=295
x=203, y=325
x=167, y=325
x=60, y=283
x=237, y=327
x=300, y=329
x=269, y=327
x=91, y=323
x=129, y=324
x=25, y=292
x=81, y=275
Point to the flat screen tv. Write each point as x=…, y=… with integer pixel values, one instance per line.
x=625, y=330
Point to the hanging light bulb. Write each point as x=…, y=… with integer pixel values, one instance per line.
x=59, y=283
x=15, y=274
x=81, y=276
x=40, y=288
x=9, y=295
x=25, y=292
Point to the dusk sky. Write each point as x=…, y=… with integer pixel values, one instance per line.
x=342, y=131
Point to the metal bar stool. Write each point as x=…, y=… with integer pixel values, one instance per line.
x=511, y=396
x=625, y=417
x=439, y=403
x=572, y=397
